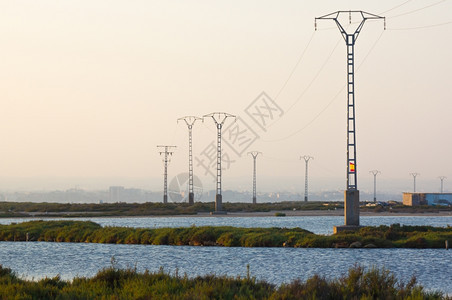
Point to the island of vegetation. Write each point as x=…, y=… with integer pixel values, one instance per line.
x=394, y=236
x=114, y=283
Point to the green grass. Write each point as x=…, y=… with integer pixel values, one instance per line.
x=226, y=236
x=113, y=283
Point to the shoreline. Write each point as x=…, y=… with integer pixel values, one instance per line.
x=288, y=213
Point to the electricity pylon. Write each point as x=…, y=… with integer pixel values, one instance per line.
x=166, y=150
x=442, y=179
x=254, y=154
x=190, y=121
x=375, y=173
x=219, y=118
x=414, y=180
x=351, y=195
x=306, y=159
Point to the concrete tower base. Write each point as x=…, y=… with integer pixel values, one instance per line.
x=191, y=198
x=351, y=211
x=218, y=206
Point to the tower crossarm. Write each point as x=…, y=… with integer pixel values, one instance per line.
x=335, y=17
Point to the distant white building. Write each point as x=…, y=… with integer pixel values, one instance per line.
x=116, y=193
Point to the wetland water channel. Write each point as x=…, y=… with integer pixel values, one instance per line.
x=432, y=267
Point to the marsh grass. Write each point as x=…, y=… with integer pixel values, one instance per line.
x=114, y=283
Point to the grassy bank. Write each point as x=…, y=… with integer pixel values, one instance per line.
x=112, y=283
x=90, y=232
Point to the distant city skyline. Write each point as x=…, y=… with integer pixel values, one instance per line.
x=89, y=89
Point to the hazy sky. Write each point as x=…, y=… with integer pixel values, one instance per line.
x=88, y=89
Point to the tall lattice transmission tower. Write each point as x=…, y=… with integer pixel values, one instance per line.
x=375, y=173
x=190, y=121
x=167, y=153
x=442, y=181
x=414, y=174
x=254, y=154
x=351, y=195
x=306, y=158
x=219, y=118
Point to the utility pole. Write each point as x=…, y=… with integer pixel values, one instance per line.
x=190, y=121
x=166, y=151
x=254, y=154
x=306, y=159
x=375, y=173
x=442, y=179
x=219, y=118
x=414, y=180
x=351, y=195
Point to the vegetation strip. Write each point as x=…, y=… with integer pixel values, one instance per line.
x=113, y=283
x=27, y=209
x=89, y=232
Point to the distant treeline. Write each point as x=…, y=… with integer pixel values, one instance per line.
x=17, y=209
x=90, y=232
x=25, y=209
x=113, y=283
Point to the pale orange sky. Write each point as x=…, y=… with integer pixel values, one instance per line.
x=88, y=89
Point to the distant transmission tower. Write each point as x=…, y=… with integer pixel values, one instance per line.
x=442, y=179
x=254, y=154
x=219, y=118
x=306, y=159
x=414, y=180
x=166, y=151
x=190, y=121
x=351, y=195
x=375, y=173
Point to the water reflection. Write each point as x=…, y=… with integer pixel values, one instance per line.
x=276, y=265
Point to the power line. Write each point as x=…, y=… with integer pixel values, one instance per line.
x=422, y=27
x=296, y=66
x=395, y=7
x=332, y=100
x=416, y=10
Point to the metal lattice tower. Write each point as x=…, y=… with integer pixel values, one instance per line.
x=190, y=121
x=219, y=118
x=414, y=180
x=254, y=154
x=306, y=159
x=442, y=179
x=375, y=173
x=351, y=195
x=350, y=39
x=166, y=150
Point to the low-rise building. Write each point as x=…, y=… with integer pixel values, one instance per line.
x=413, y=199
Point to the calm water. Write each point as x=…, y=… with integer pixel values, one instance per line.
x=432, y=267
x=319, y=225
